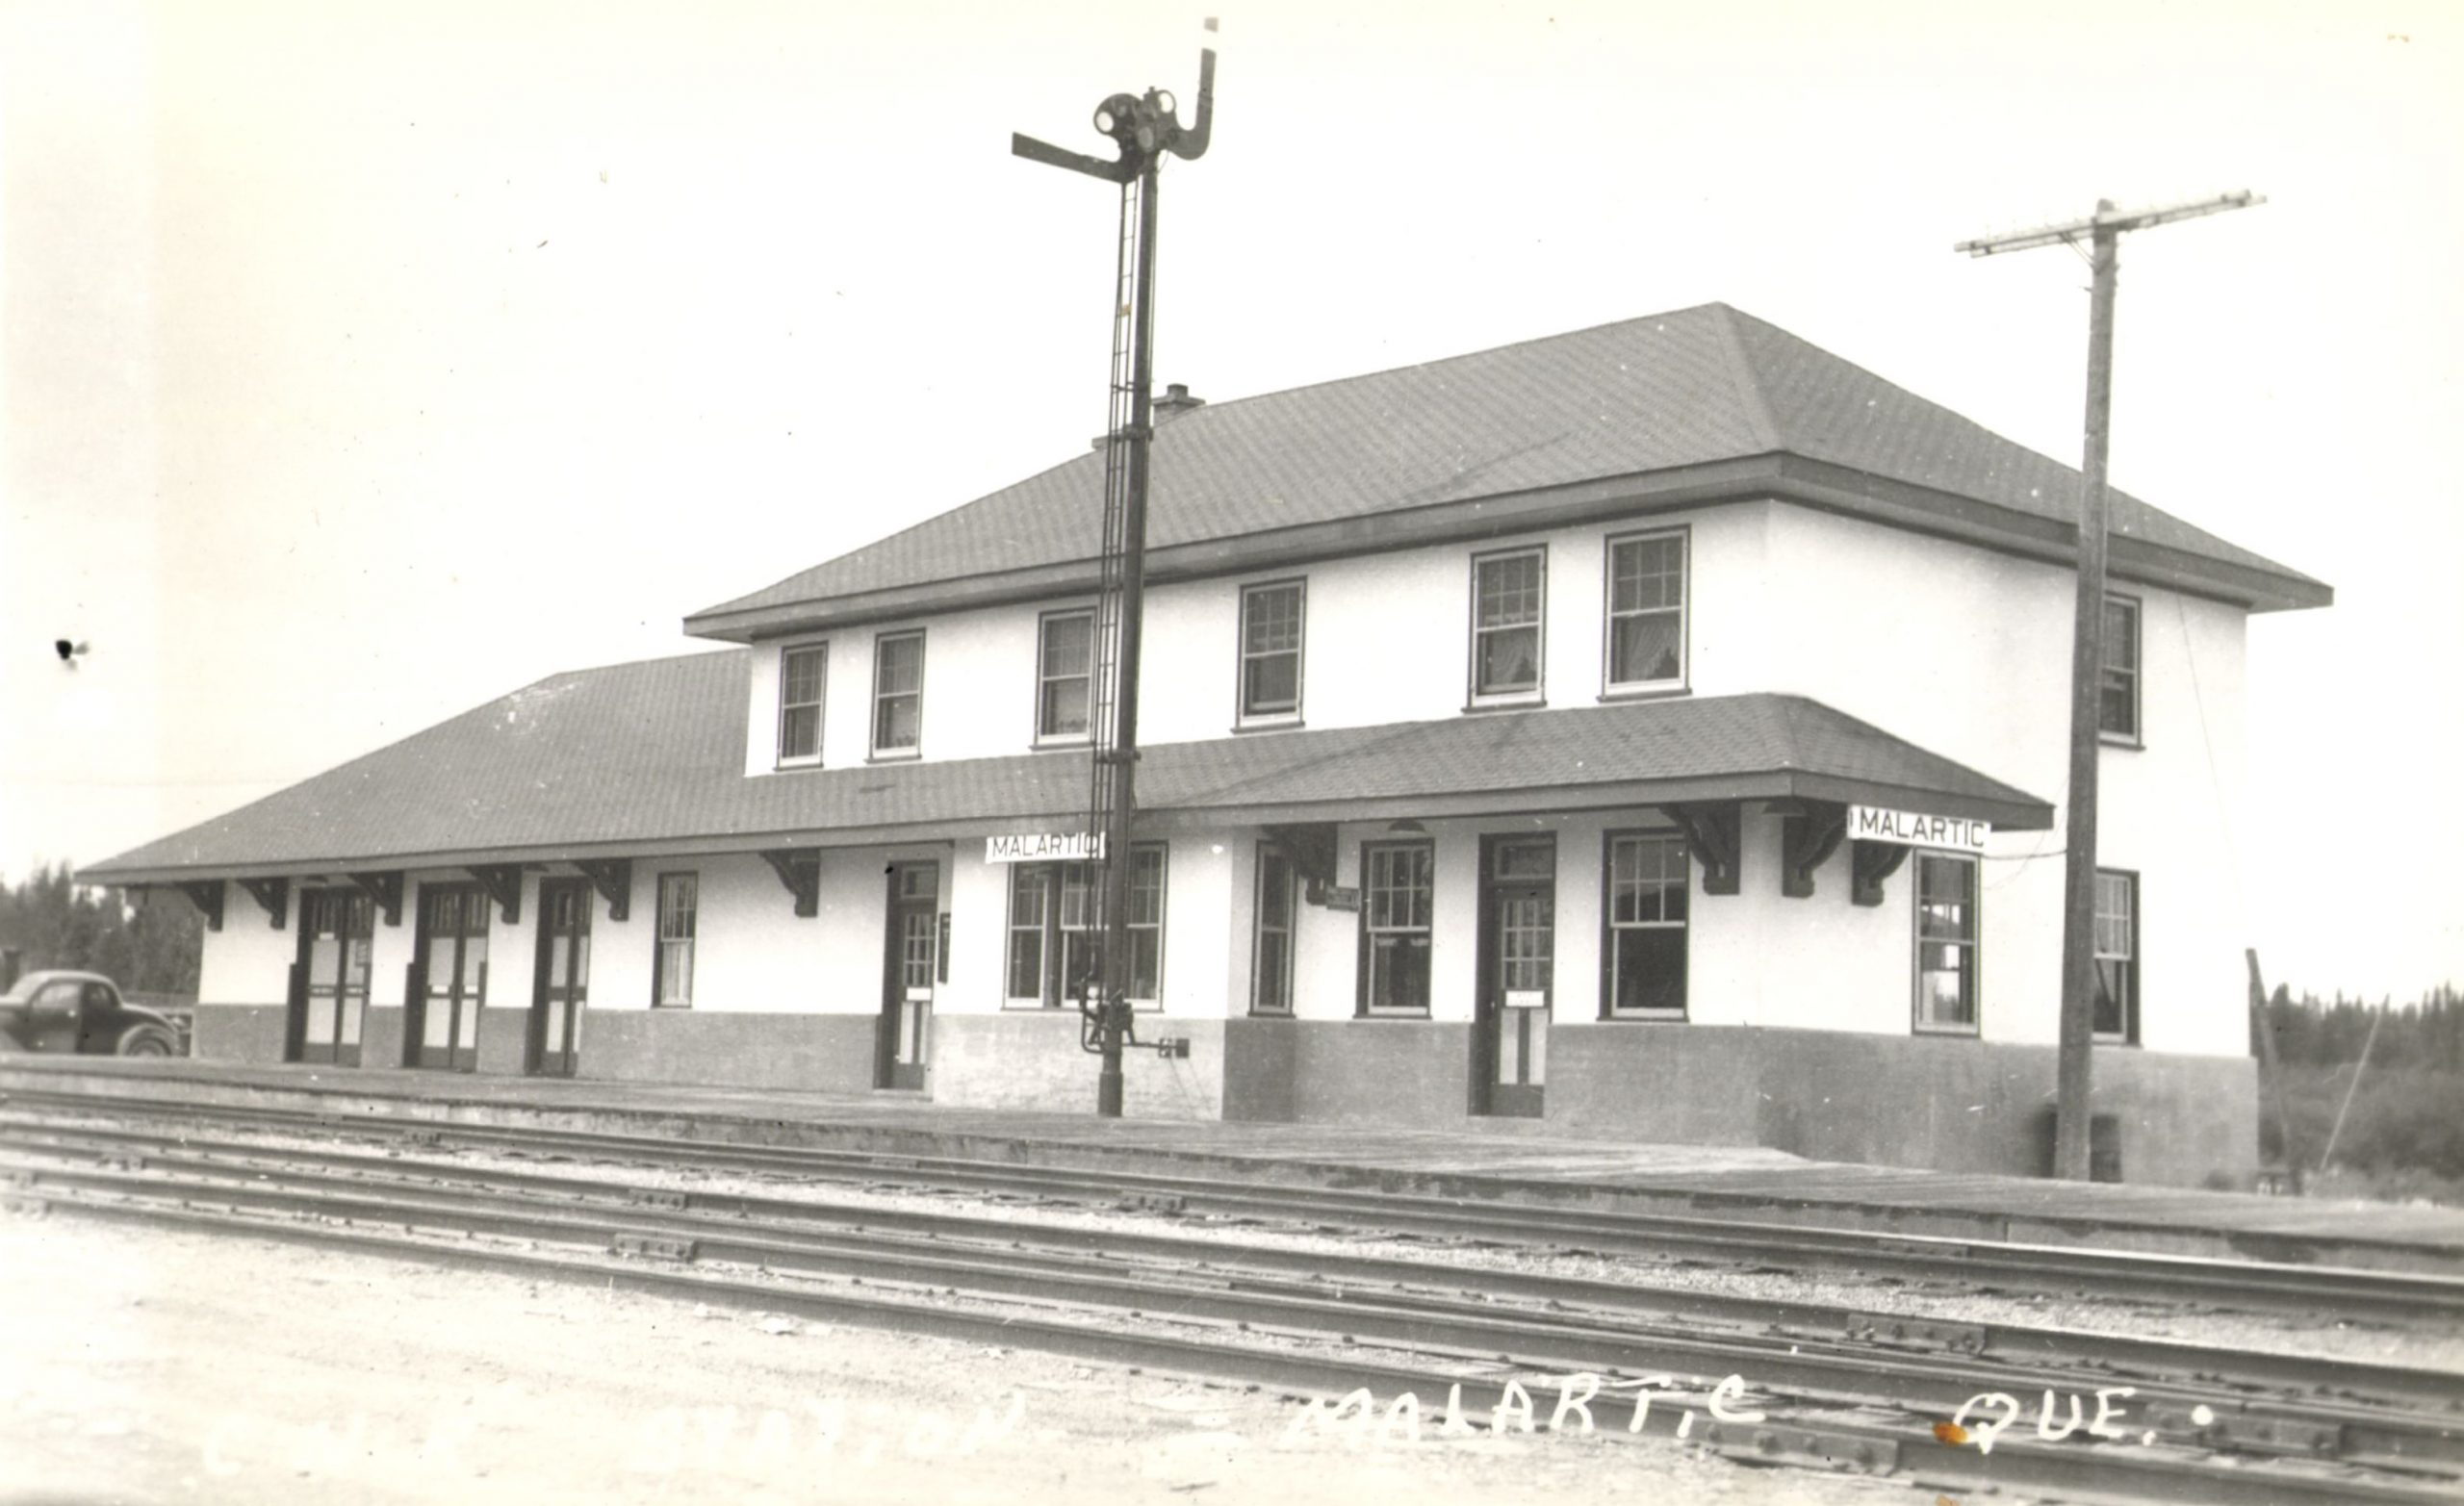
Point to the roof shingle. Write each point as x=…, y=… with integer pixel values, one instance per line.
x=651, y=752
x=1687, y=388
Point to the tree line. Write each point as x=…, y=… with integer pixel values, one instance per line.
x=51, y=920
x=2314, y=1032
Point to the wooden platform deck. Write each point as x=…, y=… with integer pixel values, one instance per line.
x=1503, y=1161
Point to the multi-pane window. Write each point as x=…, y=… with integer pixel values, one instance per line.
x=1030, y=894
x=678, y=898
x=1395, y=927
x=1056, y=930
x=898, y=694
x=2118, y=685
x=801, y=674
x=1506, y=624
x=2117, y=1016
x=1647, y=611
x=1064, y=676
x=1270, y=962
x=1648, y=877
x=1946, y=942
x=1270, y=652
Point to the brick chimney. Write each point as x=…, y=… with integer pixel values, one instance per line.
x=1175, y=401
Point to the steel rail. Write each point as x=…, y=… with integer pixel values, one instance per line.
x=2326, y=1291
x=2116, y=1356
x=1828, y=1368
x=2098, y=1469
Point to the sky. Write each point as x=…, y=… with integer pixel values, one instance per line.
x=360, y=364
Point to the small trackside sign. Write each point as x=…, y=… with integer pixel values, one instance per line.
x=1044, y=847
x=1908, y=828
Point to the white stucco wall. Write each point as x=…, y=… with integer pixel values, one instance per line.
x=247, y=962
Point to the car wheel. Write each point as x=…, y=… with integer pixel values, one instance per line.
x=147, y=1041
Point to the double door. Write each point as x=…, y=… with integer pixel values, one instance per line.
x=450, y=974
x=329, y=986
x=562, y=985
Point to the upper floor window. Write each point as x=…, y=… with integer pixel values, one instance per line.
x=1064, y=676
x=1649, y=879
x=1395, y=927
x=1270, y=652
x=2117, y=687
x=801, y=674
x=1946, y=942
x=1647, y=611
x=1507, y=591
x=678, y=899
x=2116, y=1016
x=898, y=694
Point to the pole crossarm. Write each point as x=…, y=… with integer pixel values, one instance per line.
x=2111, y=220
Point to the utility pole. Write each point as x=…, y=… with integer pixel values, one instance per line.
x=2103, y=231
x=1145, y=128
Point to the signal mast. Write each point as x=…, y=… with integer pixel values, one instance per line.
x=1145, y=128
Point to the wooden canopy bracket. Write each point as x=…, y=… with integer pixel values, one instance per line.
x=1806, y=840
x=273, y=895
x=799, y=868
x=206, y=894
x=503, y=883
x=613, y=878
x=1311, y=848
x=1712, y=835
x=1870, y=864
x=385, y=888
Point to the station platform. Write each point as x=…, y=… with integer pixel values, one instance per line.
x=1493, y=1161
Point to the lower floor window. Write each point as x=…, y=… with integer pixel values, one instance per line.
x=1396, y=909
x=1271, y=966
x=1649, y=875
x=1056, y=930
x=1946, y=942
x=679, y=900
x=2116, y=1018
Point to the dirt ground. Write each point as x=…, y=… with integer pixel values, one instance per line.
x=145, y=1367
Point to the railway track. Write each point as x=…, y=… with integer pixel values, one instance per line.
x=2326, y=1293
x=1789, y=1383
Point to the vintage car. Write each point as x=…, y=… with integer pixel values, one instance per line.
x=61, y=1013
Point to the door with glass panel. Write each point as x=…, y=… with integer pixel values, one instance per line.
x=443, y=1030
x=913, y=952
x=335, y=929
x=1518, y=958
x=563, y=983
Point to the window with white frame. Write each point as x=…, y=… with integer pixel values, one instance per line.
x=803, y=672
x=1270, y=653
x=1647, y=612
x=1946, y=942
x=1271, y=959
x=1649, y=877
x=898, y=694
x=1065, y=676
x=2116, y=1013
x=1507, y=595
x=678, y=897
x=1056, y=930
x=1395, y=926
x=2118, y=685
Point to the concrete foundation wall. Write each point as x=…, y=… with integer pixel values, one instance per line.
x=380, y=1035
x=826, y=1052
x=1413, y=1073
x=238, y=1032
x=1030, y=1060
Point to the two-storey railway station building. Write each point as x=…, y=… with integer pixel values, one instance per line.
x=1655, y=731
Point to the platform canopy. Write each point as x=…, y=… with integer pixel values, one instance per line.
x=647, y=758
